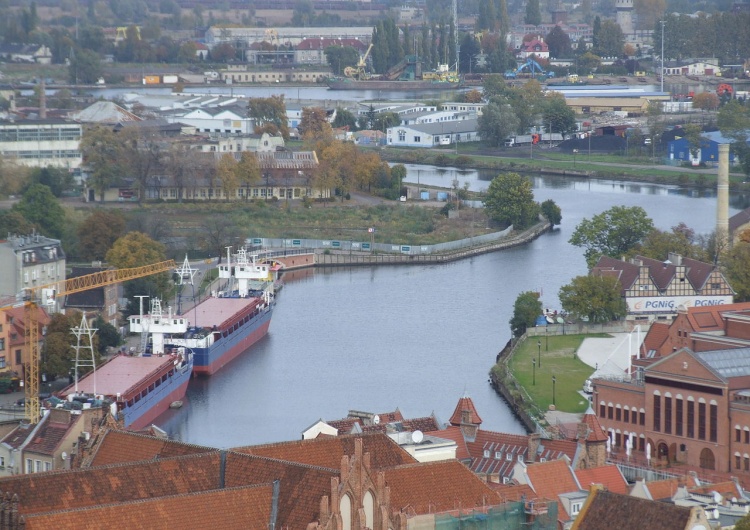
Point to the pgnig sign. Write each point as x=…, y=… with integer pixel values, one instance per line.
x=669, y=304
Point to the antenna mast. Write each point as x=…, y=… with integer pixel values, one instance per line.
x=83, y=330
x=454, y=12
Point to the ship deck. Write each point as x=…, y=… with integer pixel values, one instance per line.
x=216, y=311
x=121, y=374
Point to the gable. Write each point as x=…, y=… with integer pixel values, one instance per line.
x=684, y=364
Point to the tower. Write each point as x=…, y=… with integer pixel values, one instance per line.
x=722, y=198
x=625, y=16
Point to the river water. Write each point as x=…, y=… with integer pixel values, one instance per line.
x=413, y=337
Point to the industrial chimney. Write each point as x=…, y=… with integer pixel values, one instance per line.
x=42, y=99
x=722, y=197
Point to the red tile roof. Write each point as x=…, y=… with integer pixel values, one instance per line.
x=596, y=433
x=236, y=508
x=52, y=432
x=513, y=492
x=624, y=271
x=18, y=436
x=465, y=405
x=605, y=510
x=327, y=452
x=709, y=318
x=655, y=338
x=121, y=446
x=454, y=434
x=437, y=487
x=665, y=489
x=552, y=478
x=608, y=476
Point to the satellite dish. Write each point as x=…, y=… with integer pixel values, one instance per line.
x=417, y=437
x=376, y=419
x=64, y=455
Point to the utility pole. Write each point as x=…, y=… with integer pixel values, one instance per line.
x=661, y=76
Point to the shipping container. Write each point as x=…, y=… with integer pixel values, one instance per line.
x=442, y=195
x=151, y=80
x=424, y=195
x=169, y=79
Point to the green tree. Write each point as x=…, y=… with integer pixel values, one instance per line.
x=345, y=118
x=494, y=85
x=736, y=265
x=694, y=138
x=103, y=154
x=339, y=57
x=85, y=67
x=269, y=115
x=743, y=524
x=598, y=298
x=557, y=114
x=551, y=211
x=107, y=334
x=559, y=43
x=98, y=233
x=610, y=40
x=40, y=207
x=510, y=201
x=525, y=311
x=57, y=353
x=533, y=14
x=398, y=174
x=679, y=240
x=12, y=222
x=613, y=233
x=497, y=122
x=58, y=180
x=487, y=16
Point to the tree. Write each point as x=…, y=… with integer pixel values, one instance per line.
x=551, y=211
x=102, y=152
x=219, y=232
x=559, y=43
x=227, y=175
x=85, y=67
x=269, y=115
x=598, y=298
x=40, y=207
x=398, y=174
x=345, y=118
x=57, y=179
x=314, y=124
x=611, y=40
x=648, y=12
x=12, y=222
x=98, y=233
x=533, y=14
x=57, y=354
x=497, y=122
x=141, y=151
x=612, y=233
x=694, y=138
x=107, y=334
x=679, y=240
x=735, y=264
x=248, y=171
x=525, y=311
x=339, y=57
x=510, y=201
x=136, y=249
x=706, y=101
x=557, y=114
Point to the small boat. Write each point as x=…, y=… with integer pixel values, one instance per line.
x=560, y=320
x=550, y=320
x=175, y=404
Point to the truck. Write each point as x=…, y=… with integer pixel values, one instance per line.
x=521, y=139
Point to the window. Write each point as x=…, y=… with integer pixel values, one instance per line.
x=37, y=466
x=2, y=361
x=713, y=423
x=575, y=508
x=48, y=466
x=610, y=411
x=18, y=356
x=520, y=458
x=509, y=457
x=602, y=410
x=626, y=416
x=678, y=417
x=747, y=436
x=418, y=139
x=643, y=418
x=401, y=136
x=668, y=415
x=737, y=434
x=657, y=413
x=701, y=421
x=691, y=419
x=2, y=344
x=486, y=453
x=747, y=463
x=498, y=455
x=29, y=465
x=2, y=462
x=737, y=461
x=618, y=414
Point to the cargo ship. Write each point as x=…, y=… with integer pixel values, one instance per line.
x=138, y=388
x=341, y=83
x=230, y=321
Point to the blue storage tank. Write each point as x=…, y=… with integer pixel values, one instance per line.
x=424, y=195
x=442, y=196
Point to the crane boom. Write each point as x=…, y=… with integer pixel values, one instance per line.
x=69, y=286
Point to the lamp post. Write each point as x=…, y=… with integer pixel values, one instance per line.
x=554, y=380
x=539, y=352
x=661, y=77
x=575, y=152
x=533, y=372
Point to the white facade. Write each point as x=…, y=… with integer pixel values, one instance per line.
x=433, y=134
x=213, y=120
x=283, y=36
x=31, y=261
x=41, y=143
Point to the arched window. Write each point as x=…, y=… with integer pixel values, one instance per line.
x=368, y=503
x=707, y=459
x=345, y=506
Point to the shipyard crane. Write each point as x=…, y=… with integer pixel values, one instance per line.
x=359, y=70
x=57, y=289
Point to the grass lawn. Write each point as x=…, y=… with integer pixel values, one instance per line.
x=559, y=360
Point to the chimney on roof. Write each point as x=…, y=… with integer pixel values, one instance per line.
x=722, y=197
x=675, y=259
x=534, y=441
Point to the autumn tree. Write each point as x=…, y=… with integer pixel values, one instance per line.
x=735, y=264
x=269, y=115
x=142, y=150
x=597, y=298
x=186, y=167
x=218, y=232
x=680, y=240
x=98, y=233
x=648, y=12
x=226, y=174
x=248, y=171
x=706, y=101
x=314, y=124
x=136, y=249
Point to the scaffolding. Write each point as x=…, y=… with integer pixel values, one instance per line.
x=519, y=515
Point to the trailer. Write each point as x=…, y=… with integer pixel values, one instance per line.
x=521, y=139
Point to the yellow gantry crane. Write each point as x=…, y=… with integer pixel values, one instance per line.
x=70, y=286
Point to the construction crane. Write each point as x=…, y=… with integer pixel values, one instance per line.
x=69, y=286
x=359, y=70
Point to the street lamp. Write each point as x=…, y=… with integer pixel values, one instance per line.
x=533, y=372
x=539, y=352
x=575, y=152
x=554, y=380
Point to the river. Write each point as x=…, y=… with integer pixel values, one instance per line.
x=413, y=337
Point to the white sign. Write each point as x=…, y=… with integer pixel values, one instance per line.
x=669, y=304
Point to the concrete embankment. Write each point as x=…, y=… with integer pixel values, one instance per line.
x=343, y=258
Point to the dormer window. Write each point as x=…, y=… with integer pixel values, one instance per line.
x=486, y=453
x=509, y=457
x=498, y=455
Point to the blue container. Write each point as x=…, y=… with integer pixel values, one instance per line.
x=424, y=195
x=442, y=196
